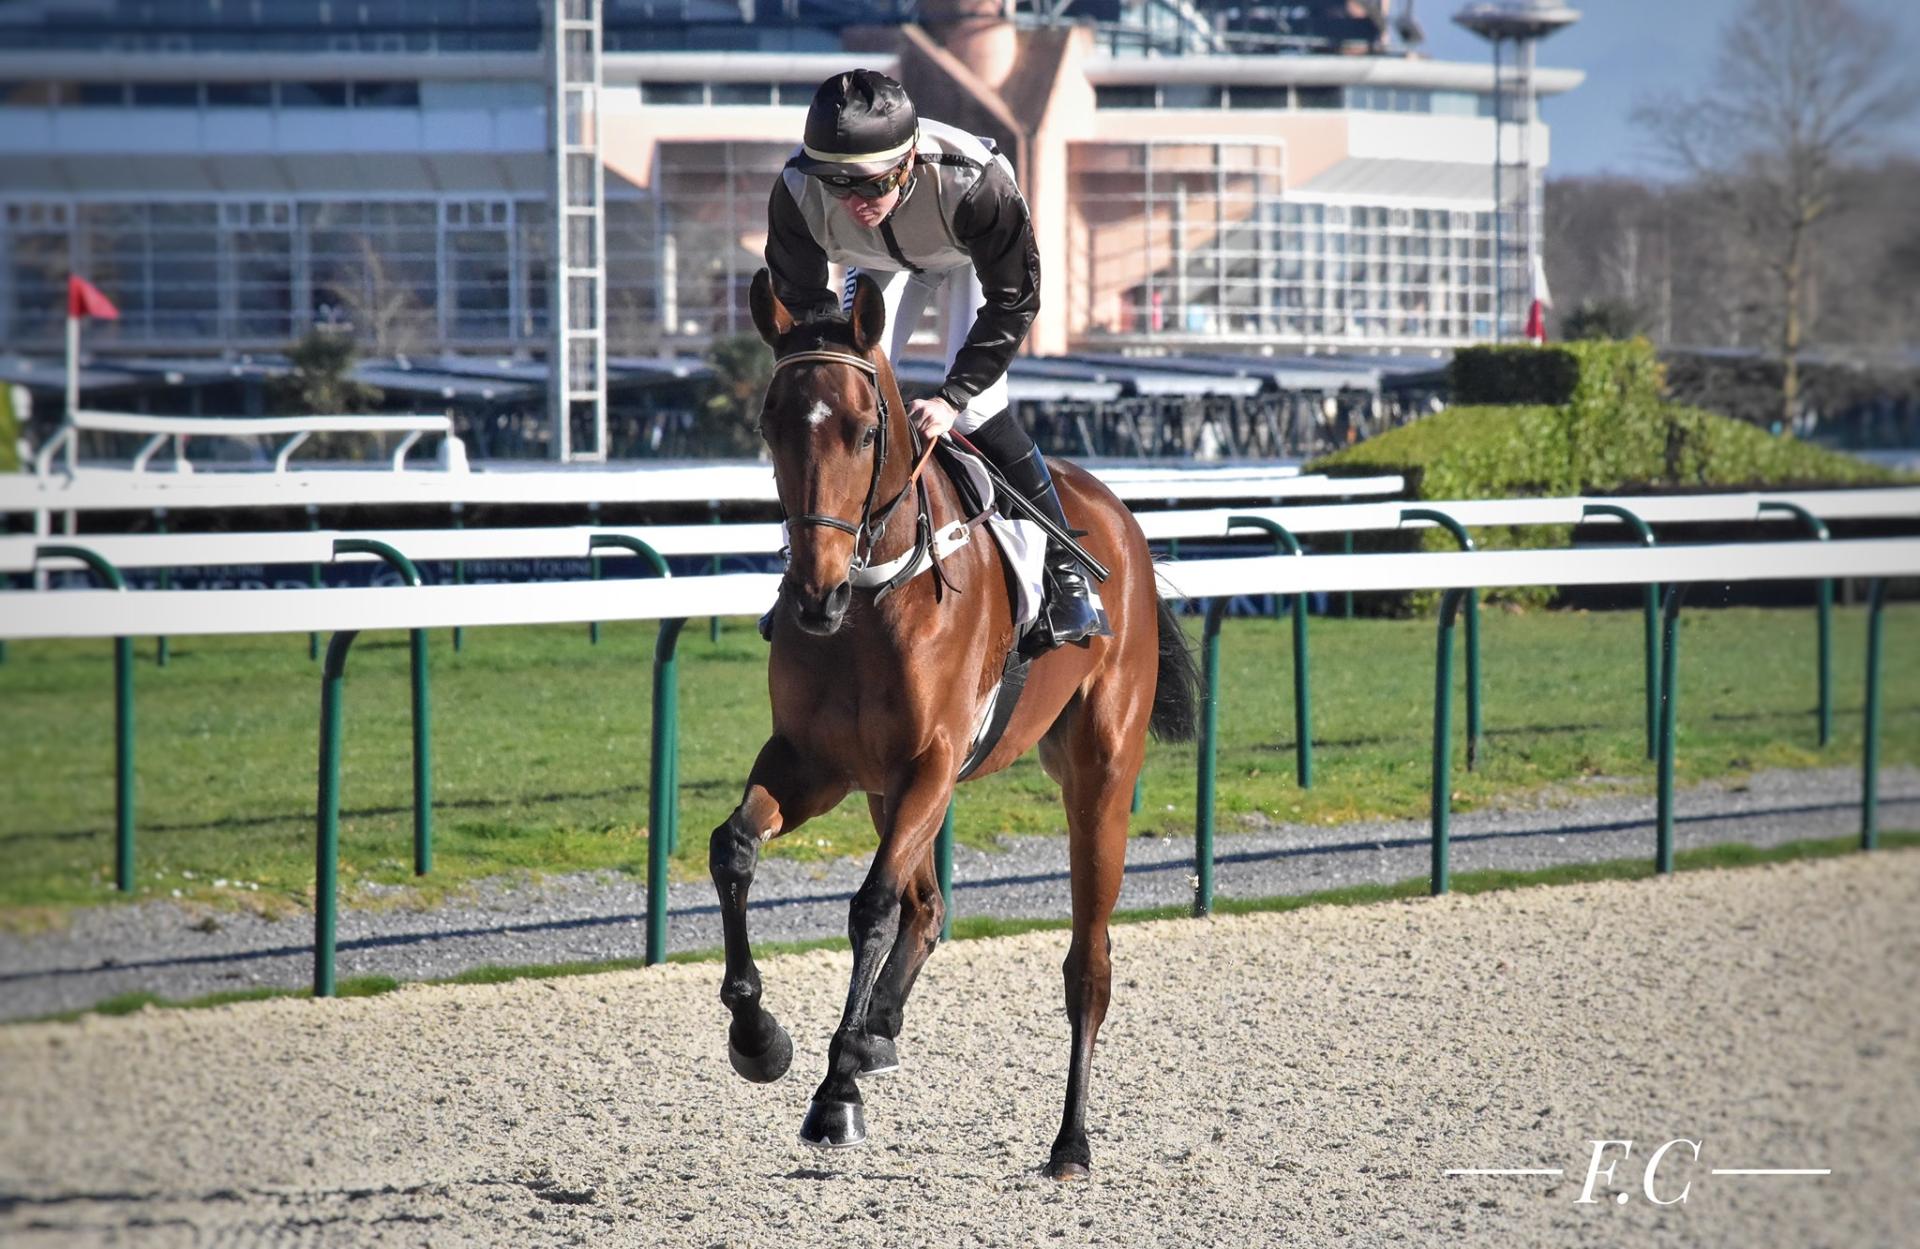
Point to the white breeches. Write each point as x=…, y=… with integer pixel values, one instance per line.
x=908, y=296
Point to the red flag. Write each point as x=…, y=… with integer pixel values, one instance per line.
x=84, y=299
x=1537, y=323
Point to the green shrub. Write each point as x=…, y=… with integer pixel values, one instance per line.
x=9, y=430
x=1607, y=439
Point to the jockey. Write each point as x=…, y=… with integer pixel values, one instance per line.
x=929, y=212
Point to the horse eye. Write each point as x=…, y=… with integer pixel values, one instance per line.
x=866, y=439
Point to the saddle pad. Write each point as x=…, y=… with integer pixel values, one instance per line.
x=1023, y=543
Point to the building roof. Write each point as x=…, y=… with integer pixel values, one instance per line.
x=1377, y=177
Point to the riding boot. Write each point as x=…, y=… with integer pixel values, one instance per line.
x=1072, y=613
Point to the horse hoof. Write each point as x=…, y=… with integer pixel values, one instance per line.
x=833, y=1125
x=881, y=1057
x=1070, y=1161
x=768, y=1066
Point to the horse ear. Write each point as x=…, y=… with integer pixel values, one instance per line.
x=770, y=316
x=868, y=314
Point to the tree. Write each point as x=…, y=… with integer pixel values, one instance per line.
x=319, y=381
x=385, y=311
x=1801, y=90
x=1603, y=318
x=742, y=370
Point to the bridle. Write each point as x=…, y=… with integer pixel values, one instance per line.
x=872, y=524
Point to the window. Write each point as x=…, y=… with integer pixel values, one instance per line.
x=239, y=95
x=386, y=95
x=742, y=92
x=795, y=94
x=313, y=95
x=166, y=94
x=1190, y=95
x=98, y=94
x=675, y=93
x=1258, y=97
x=1319, y=97
x=1123, y=97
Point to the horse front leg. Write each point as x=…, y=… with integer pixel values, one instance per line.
x=922, y=911
x=912, y=815
x=780, y=796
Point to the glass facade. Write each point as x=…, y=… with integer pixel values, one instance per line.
x=1197, y=239
x=406, y=274
x=409, y=275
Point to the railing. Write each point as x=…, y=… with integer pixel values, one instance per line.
x=345, y=612
x=159, y=430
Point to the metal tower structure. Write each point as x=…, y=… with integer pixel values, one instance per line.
x=1514, y=28
x=577, y=308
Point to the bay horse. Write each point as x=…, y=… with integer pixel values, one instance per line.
x=882, y=692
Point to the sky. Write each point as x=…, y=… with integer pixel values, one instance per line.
x=1630, y=49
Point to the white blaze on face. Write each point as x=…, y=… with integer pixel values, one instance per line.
x=818, y=412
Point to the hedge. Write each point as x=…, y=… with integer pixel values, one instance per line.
x=1608, y=439
x=9, y=430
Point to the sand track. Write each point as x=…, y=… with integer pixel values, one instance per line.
x=1274, y=1079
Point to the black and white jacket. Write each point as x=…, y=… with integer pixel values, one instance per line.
x=961, y=207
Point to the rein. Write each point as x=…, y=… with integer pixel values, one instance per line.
x=867, y=532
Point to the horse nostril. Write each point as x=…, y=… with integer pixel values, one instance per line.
x=838, y=598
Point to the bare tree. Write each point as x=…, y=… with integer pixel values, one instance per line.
x=1801, y=90
x=387, y=315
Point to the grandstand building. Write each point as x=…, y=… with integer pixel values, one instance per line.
x=234, y=171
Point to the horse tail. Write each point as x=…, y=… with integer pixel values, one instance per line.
x=1177, y=684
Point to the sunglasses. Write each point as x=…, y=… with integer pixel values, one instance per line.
x=865, y=188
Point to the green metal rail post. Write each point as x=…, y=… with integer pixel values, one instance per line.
x=593, y=518
x=1459, y=532
x=1870, y=749
x=1346, y=548
x=122, y=715
x=663, y=774
x=459, y=574
x=422, y=705
x=1669, y=719
x=1824, y=590
x=313, y=579
x=326, y=858
x=1209, y=745
x=161, y=651
x=713, y=622
x=943, y=871
x=1302, y=679
x=1650, y=616
x=1442, y=804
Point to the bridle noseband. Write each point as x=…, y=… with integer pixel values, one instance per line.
x=866, y=534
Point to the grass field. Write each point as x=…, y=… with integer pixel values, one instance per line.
x=541, y=743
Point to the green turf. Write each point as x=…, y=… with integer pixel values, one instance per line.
x=541, y=741
x=973, y=928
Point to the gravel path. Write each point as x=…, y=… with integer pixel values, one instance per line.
x=180, y=952
x=1303, y=1077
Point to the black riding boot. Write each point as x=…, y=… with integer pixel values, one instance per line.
x=1071, y=613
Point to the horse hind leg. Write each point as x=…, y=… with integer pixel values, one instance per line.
x=779, y=797
x=1097, y=751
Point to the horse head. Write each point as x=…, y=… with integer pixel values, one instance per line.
x=834, y=426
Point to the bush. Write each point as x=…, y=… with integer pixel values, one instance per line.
x=1608, y=439
x=9, y=429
